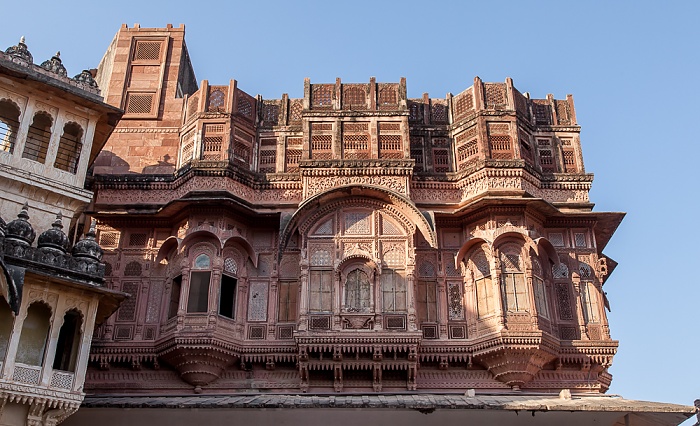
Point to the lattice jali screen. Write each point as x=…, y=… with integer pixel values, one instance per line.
x=241, y=152
x=547, y=161
x=417, y=156
x=320, y=322
x=501, y=147
x=217, y=99
x=211, y=147
x=563, y=112
x=292, y=156
x=354, y=97
x=27, y=374
x=271, y=112
x=569, y=160
x=458, y=332
x=390, y=146
x=495, y=94
x=256, y=332
x=322, y=96
x=62, y=380
x=320, y=127
x=564, y=301
x=295, y=108
x=463, y=104
x=244, y=104
x=430, y=331
x=526, y=148
x=356, y=146
x=147, y=50
x=268, y=161
x=521, y=104
x=285, y=332
x=415, y=111
x=543, y=112
x=395, y=322
x=127, y=310
x=441, y=160
x=438, y=111
x=388, y=97
x=139, y=103
x=108, y=239
x=321, y=147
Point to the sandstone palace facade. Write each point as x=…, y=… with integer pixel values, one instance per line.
x=353, y=240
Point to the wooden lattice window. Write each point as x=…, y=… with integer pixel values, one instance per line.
x=38, y=138
x=287, y=307
x=9, y=124
x=480, y=269
x=393, y=291
x=426, y=301
x=589, y=298
x=320, y=291
x=69, y=148
x=539, y=289
x=513, y=284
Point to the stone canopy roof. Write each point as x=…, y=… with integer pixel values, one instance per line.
x=593, y=407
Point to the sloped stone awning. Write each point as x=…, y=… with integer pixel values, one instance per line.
x=384, y=409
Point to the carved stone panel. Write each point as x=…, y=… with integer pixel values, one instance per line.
x=257, y=301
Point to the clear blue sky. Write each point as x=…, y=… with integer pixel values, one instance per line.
x=631, y=67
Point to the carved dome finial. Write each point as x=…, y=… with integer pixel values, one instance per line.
x=88, y=247
x=86, y=77
x=20, y=229
x=54, y=238
x=55, y=65
x=20, y=51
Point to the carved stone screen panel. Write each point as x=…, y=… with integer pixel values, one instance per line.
x=257, y=301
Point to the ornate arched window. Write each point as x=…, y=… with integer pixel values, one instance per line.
x=357, y=291
x=38, y=138
x=69, y=148
x=227, y=291
x=6, y=323
x=35, y=335
x=200, y=277
x=513, y=285
x=68, y=344
x=539, y=289
x=480, y=269
x=9, y=124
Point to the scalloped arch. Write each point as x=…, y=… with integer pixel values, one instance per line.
x=325, y=202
